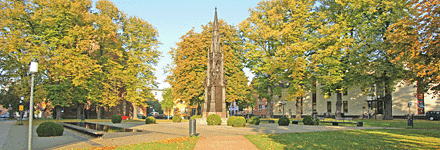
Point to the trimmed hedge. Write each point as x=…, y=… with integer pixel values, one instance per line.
x=310, y=121
x=239, y=122
x=177, y=119
x=196, y=116
x=283, y=121
x=150, y=120
x=254, y=120
x=214, y=119
x=46, y=129
x=230, y=120
x=116, y=119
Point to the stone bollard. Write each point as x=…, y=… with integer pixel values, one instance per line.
x=192, y=127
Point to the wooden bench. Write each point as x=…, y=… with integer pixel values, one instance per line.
x=335, y=123
x=296, y=121
x=270, y=121
x=345, y=118
x=83, y=130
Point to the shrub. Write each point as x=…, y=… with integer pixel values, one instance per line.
x=254, y=120
x=150, y=120
x=283, y=121
x=196, y=116
x=310, y=121
x=230, y=119
x=239, y=122
x=46, y=129
x=214, y=119
x=177, y=119
x=116, y=119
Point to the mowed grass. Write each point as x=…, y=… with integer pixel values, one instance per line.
x=350, y=139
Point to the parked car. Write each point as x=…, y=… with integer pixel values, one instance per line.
x=154, y=114
x=433, y=115
x=125, y=117
x=141, y=116
x=166, y=117
x=159, y=116
x=6, y=115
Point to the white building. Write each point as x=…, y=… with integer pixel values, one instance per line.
x=355, y=103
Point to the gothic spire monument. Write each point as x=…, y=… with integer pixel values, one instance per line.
x=215, y=84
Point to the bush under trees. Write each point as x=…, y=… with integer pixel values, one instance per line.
x=230, y=119
x=150, y=120
x=46, y=129
x=283, y=121
x=310, y=121
x=213, y=119
x=177, y=119
x=239, y=122
x=254, y=120
x=116, y=119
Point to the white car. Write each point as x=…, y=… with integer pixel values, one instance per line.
x=6, y=115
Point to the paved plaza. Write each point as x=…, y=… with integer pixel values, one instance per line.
x=15, y=137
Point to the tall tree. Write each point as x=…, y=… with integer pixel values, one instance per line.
x=168, y=101
x=277, y=36
x=415, y=42
x=190, y=63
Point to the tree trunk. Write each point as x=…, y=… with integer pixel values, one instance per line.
x=338, y=104
x=268, y=110
x=78, y=111
x=58, y=110
x=124, y=107
x=298, y=108
x=134, y=111
x=388, y=104
x=98, y=112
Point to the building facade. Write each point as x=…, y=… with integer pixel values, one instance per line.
x=355, y=103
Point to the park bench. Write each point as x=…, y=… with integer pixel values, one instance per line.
x=296, y=121
x=345, y=118
x=270, y=121
x=336, y=123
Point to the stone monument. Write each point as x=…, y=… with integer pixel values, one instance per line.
x=215, y=80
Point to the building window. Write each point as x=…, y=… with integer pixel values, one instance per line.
x=259, y=108
x=264, y=106
x=155, y=93
x=345, y=92
x=182, y=110
x=329, y=106
x=345, y=106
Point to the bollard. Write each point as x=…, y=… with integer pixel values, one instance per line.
x=192, y=127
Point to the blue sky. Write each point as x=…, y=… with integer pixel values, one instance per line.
x=173, y=18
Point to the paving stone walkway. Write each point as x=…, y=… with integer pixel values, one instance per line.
x=211, y=137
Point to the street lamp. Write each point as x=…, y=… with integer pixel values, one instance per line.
x=282, y=102
x=33, y=68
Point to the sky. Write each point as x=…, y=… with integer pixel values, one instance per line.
x=174, y=18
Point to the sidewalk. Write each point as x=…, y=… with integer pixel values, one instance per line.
x=238, y=142
x=5, y=126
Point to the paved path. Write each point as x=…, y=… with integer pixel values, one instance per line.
x=5, y=125
x=237, y=142
x=210, y=136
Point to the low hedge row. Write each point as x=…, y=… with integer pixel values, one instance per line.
x=116, y=119
x=177, y=119
x=213, y=119
x=255, y=120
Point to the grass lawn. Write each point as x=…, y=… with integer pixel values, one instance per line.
x=183, y=143
x=350, y=139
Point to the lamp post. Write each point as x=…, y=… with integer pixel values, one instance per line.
x=33, y=68
x=282, y=102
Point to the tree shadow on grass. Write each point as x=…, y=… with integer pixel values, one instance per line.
x=358, y=139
